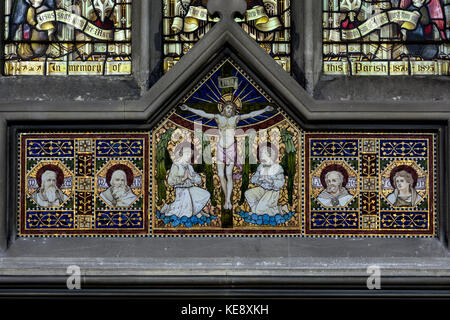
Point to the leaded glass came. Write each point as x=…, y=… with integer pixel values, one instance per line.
x=386, y=37
x=67, y=37
x=266, y=21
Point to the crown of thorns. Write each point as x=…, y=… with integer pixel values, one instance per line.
x=229, y=98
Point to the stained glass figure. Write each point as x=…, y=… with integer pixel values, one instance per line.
x=386, y=37
x=67, y=37
x=186, y=21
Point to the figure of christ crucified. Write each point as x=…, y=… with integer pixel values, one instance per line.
x=227, y=121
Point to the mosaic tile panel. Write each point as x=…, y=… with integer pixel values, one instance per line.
x=370, y=184
x=84, y=184
x=227, y=161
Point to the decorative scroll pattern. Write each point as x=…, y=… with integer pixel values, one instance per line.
x=119, y=148
x=50, y=220
x=67, y=37
x=341, y=220
x=409, y=220
x=335, y=148
x=84, y=184
x=50, y=148
x=404, y=149
x=119, y=220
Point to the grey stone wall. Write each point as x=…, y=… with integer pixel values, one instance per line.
x=181, y=266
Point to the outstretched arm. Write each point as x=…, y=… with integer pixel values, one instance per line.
x=255, y=113
x=200, y=113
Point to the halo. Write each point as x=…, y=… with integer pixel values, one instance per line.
x=124, y=168
x=229, y=97
x=334, y=167
x=406, y=168
x=54, y=168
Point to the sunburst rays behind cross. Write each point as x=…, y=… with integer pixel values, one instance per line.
x=209, y=95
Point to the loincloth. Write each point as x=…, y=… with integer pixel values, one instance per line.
x=227, y=155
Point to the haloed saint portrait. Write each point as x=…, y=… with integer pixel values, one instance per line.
x=50, y=184
x=84, y=184
x=369, y=184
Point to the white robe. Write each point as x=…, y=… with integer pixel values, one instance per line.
x=41, y=199
x=124, y=201
x=328, y=200
x=264, y=198
x=411, y=201
x=189, y=200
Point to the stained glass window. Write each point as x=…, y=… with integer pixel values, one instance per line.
x=187, y=21
x=67, y=37
x=386, y=37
